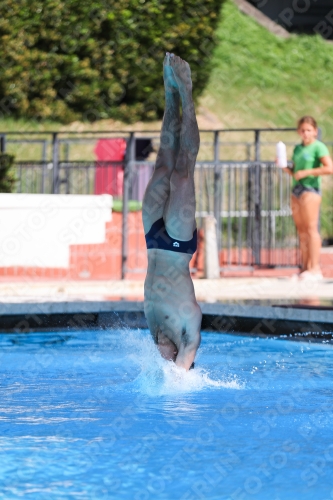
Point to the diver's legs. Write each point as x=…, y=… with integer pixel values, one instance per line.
x=180, y=210
x=158, y=188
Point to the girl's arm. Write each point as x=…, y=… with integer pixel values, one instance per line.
x=289, y=170
x=326, y=169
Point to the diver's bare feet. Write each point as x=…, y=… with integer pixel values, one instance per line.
x=182, y=73
x=170, y=83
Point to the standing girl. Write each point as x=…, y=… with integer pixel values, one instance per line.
x=310, y=161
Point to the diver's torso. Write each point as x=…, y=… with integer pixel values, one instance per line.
x=170, y=303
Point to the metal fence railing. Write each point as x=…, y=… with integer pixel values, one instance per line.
x=226, y=145
x=254, y=216
x=250, y=201
x=251, y=204
x=77, y=177
x=250, y=198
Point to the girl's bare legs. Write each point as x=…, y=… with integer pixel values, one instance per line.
x=180, y=209
x=301, y=230
x=158, y=189
x=306, y=216
x=310, y=206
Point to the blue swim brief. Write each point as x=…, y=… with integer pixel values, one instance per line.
x=158, y=237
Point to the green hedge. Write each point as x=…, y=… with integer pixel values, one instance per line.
x=7, y=176
x=80, y=59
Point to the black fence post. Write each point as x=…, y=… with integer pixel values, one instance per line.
x=257, y=201
x=2, y=143
x=249, y=220
x=217, y=187
x=128, y=165
x=257, y=145
x=55, y=162
x=257, y=214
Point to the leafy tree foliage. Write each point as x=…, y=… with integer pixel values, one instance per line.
x=68, y=59
x=7, y=176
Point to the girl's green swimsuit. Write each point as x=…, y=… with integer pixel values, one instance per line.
x=307, y=158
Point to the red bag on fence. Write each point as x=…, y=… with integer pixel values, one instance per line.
x=109, y=176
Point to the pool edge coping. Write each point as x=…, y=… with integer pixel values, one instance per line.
x=231, y=310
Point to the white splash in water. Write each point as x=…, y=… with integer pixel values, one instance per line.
x=161, y=377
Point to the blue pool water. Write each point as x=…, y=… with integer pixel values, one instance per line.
x=99, y=415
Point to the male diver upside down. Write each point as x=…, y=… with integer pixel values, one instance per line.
x=168, y=212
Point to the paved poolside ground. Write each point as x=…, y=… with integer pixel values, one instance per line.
x=279, y=290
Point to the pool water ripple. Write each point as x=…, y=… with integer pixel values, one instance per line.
x=98, y=414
